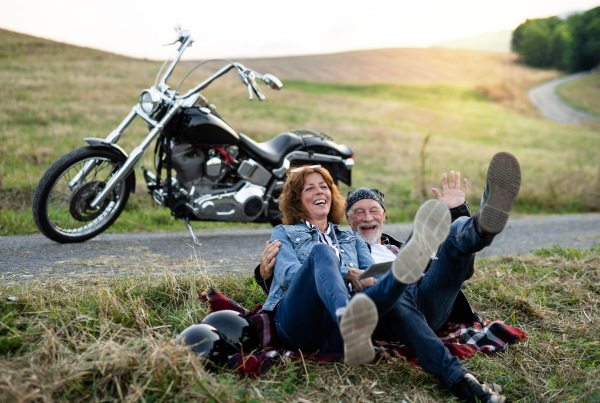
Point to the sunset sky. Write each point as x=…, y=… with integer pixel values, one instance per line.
x=261, y=28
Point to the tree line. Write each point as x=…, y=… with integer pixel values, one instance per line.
x=572, y=44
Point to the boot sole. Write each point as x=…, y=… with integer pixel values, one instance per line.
x=431, y=227
x=504, y=182
x=356, y=326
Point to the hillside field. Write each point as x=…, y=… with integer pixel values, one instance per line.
x=409, y=115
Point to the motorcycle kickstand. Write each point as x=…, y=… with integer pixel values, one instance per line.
x=187, y=223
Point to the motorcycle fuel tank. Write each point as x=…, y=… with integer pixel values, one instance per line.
x=199, y=126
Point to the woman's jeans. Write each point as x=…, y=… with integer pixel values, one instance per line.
x=307, y=317
x=426, y=305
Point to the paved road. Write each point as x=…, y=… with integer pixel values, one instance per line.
x=545, y=99
x=30, y=257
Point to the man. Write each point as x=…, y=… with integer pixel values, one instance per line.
x=427, y=304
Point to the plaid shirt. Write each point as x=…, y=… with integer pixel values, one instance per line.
x=385, y=240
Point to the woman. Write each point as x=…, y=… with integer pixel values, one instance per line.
x=309, y=294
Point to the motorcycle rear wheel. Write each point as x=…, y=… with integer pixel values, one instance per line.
x=61, y=207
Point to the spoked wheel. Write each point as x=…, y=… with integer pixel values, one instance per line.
x=61, y=202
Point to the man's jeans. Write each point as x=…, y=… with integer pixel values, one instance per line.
x=426, y=305
x=307, y=317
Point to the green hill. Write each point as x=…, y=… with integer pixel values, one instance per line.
x=409, y=115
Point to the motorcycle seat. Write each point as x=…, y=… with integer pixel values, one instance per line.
x=272, y=151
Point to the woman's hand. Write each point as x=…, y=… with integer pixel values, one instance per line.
x=352, y=278
x=267, y=259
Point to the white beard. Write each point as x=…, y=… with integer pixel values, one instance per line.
x=373, y=238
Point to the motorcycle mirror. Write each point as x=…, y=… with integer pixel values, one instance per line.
x=272, y=81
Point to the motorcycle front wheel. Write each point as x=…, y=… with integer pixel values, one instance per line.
x=61, y=202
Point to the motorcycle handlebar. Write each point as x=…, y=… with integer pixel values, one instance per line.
x=257, y=91
x=248, y=76
x=182, y=34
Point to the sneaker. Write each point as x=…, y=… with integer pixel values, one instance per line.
x=469, y=389
x=501, y=189
x=431, y=227
x=356, y=326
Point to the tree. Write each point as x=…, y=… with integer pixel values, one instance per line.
x=533, y=40
x=570, y=45
x=590, y=51
x=563, y=48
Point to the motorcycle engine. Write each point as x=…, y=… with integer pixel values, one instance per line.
x=210, y=190
x=199, y=167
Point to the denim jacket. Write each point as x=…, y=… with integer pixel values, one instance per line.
x=297, y=242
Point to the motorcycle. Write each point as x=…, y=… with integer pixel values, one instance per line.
x=204, y=169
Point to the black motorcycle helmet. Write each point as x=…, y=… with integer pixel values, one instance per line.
x=240, y=331
x=205, y=341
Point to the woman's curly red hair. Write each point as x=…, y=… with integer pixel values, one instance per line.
x=290, y=203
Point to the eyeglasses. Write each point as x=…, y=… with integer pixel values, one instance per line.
x=299, y=169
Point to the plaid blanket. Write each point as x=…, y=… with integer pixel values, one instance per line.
x=462, y=340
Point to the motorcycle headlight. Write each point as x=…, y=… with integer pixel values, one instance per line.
x=148, y=101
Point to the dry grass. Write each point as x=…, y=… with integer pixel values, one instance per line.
x=112, y=339
x=497, y=76
x=407, y=65
x=382, y=103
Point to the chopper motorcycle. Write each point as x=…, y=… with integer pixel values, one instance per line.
x=204, y=169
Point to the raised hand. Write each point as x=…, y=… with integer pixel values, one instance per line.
x=452, y=195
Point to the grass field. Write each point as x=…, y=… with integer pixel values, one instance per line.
x=446, y=110
x=113, y=339
x=583, y=94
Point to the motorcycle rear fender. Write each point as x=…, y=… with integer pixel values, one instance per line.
x=322, y=143
x=96, y=142
x=343, y=169
x=342, y=166
x=320, y=148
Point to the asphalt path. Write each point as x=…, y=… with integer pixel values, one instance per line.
x=34, y=257
x=26, y=258
x=545, y=99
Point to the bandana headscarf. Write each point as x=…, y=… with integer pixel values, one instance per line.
x=364, y=193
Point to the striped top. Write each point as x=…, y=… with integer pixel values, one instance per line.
x=325, y=237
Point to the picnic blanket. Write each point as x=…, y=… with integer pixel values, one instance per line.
x=462, y=339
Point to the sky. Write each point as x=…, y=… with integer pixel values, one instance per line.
x=262, y=28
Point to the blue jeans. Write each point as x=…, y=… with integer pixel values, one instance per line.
x=306, y=318
x=426, y=305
